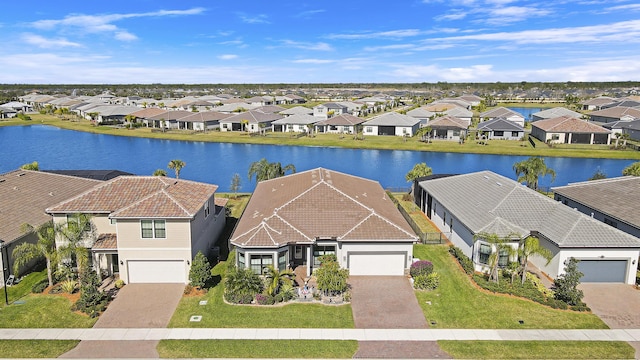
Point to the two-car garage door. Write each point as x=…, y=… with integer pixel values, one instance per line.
x=156, y=271
x=377, y=263
x=611, y=271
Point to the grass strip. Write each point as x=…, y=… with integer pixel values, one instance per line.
x=35, y=348
x=292, y=349
x=538, y=349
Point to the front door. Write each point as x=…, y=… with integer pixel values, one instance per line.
x=298, y=255
x=115, y=264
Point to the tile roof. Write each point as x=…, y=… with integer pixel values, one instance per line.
x=297, y=110
x=205, y=116
x=148, y=112
x=568, y=124
x=26, y=194
x=485, y=201
x=616, y=112
x=319, y=203
x=556, y=112
x=393, y=119
x=170, y=115
x=141, y=197
x=499, y=124
x=106, y=242
x=302, y=119
x=270, y=109
x=253, y=116
x=500, y=112
x=447, y=121
x=617, y=197
x=342, y=120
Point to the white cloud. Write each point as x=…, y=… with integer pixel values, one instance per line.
x=511, y=14
x=227, y=57
x=389, y=47
x=454, y=74
x=125, y=36
x=375, y=35
x=459, y=15
x=254, y=19
x=309, y=13
x=320, y=46
x=42, y=42
x=628, y=7
x=313, y=61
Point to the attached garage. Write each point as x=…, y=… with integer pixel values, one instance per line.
x=156, y=271
x=377, y=263
x=610, y=271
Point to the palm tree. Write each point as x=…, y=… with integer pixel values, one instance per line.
x=530, y=246
x=530, y=170
x=277, y=279
x=160, y=172
x=78, y=233
x=500, y=246
x=245, y=124
x=44, y=247
x=424, y=131
x=264, y=170
x=176, y=165
x=310, y=130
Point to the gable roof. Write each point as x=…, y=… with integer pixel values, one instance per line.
x=303, y=119
x=319, y=203
x=616, y=112
x=102, y=175
x=393, y=119
x=568, y=124
x=556, y=112
x=297, y=110
x=205, y=116
x=148, y=112
x=26, y=194
x=616, y=197
x=140, y=197
x=342, y=120
x=499, y=124
x=502, y=112
x=253, y=116
x=447, y=121
x=487, y=201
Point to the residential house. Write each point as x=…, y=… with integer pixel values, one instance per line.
x=329, y=109
x=7, y=113
x=448, y=128
x=18, y=106
x=147, y=229
x=113, y=114
x=596, y=103
x=25, y=195
x=260, y=100
x=293, y=220
x=474, y=100
x=297, y=110
x=632, y=128
x=499, y=129
x=553, y=113
x=613, y=114
x=235, y=107
x=471, y=205
x=295, y=123
x=391, y=123
x=256, y=121
x=569, y=130
x=294, y=99
x=626, y=102
x=341, y=124
x=202, y=121
x=270, y=109
x=167, y=119
x=613, y=201
x=503, y=112
x=102, y=175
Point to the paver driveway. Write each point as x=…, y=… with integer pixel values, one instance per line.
x=136, y=306
x=388, y=302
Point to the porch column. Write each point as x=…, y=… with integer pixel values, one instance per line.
x=591, y=139
x=309, y=260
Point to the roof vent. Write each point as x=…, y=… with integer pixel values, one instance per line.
x=21, y=174
x=486, y=177
x=499, y=184
x=2, y=180
x=51, y=193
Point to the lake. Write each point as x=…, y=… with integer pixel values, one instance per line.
x=216, y=163
x=526, y=112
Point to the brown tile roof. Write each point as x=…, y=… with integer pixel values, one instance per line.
x=319, y=203
x=205, y=116
x=439, y=107
x=140, y=197
x=170, y=115
x=617, y=197
x=254, y=117
x=616, y=112
x=342, y=120
x=24, y=196
x=106, y=242
x=447, y=121
x=146, y=113
x=568, y=124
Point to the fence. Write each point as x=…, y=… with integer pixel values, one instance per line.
x=425, y=238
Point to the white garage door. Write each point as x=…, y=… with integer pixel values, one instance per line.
x=376, y=264
x=611, y=271
x=147, y=271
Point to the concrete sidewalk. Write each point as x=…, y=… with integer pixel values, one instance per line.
x=115, y=334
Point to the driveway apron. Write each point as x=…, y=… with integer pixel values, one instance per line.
x=388, y=302
x=135, y=306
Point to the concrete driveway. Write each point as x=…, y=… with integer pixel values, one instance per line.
x=388, y=302
x=135, y=306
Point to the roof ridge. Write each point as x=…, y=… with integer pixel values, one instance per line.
x=164, y=191
x=114, y=212
x=291, y=226
x=357, y=225
x=98, y=186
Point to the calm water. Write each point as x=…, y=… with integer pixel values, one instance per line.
x=216, y=163
x=526, y=112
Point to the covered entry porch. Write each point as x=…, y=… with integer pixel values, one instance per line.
x=104, y=255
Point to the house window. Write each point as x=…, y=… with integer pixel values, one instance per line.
x=485, y=252
x=451, y=224
x=112, y=221
x=503, y=258
x=224, y=126
x=369, y=129
x=456, y=133
x=282, y=260
x=320, y=250
x=298, y=252
x=261, y=262
x=514, y=134
x=555, y=137
x=241, y=260
x=153, y=229
x=498, y=133
x=611, y=222
x=206, y=209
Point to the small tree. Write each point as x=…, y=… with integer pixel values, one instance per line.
x=235, y=184
x=331, y=279
x=530, y=246
x=44, y=247
x=565, y=287
x=160, y=172
x=632, y=170
x=176, y=165
x=276, y=280
x=92, y=300
x=31, y=166
x=598, y=175
x=419, y=170
x=200, y=271
x=499, y=246
x=241, y=285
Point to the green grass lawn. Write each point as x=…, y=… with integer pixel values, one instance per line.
x=458, y=303
x=218, y=314
x=499, y=147
x=416, y=214
x=35, y=348
x=291, y=349
x=39, y=310
x=538, y=349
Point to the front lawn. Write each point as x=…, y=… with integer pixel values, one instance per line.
x=218, y=314
x=538, y=349
x=459, y=303
x=35, y=348
x=288, y=349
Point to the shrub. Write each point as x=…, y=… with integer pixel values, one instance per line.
x=427, y=282
x=241, y=285
x=328, y=258
x=422, y=267
x=238, y=298
x=39, y=287
x=187, y=289
x=407, y=197
x=566, y=285
x=264, y=299
x=332, y=280
x=69, y=286
x=92, y=301
x=463, y=260
x=119, y=284
x=200, y=271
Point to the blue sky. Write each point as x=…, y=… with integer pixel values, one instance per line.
x=318, y=41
